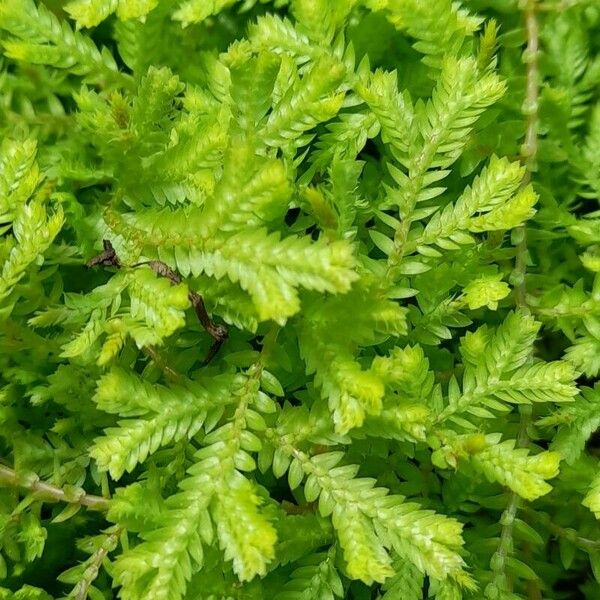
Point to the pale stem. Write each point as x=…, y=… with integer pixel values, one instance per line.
x=528, y=158
x=47, y=491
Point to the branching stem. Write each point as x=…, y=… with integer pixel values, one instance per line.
x=529, y=148
x=49, y=492
x=80, y=591
x=563, y=532
x=507, y=520
x=529, y=151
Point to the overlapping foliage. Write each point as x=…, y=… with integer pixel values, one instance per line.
x=299, y=299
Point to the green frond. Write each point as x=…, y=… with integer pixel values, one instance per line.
x=488, y=41
x=169, y=150
x=169, y=415
x=438, y=137
x=315, y=578
x=409, y=385
x=592, y=498
x=116, y=337
x=575, y=73
x=407, y=190
x=368, y=520
x=393, y=110
x=428, y=540
x=298, y=424
x=37, y=36
x=89, y=13
x=245, y=536
x=584, y=354
x=351, y=391
x=577, y=423
x=446, y=590
x=158, y=303
x=26, y=592
x=511, y=345
x=85, y=339
x=154, y=101
x=136, y=38
x=299, y=536
x=363, y=312
x=33, y=227
x=491, y=189
x=405, y=422
x=512, y=214
x=311, y=99
x=229, y=301
x=32, y=536
x=496, y=372
x=34, y=230
x=268, y=268
x=258, y=188
x=590, y=163
x=440, y=27
x=137, y=506
x=406, y=371
x=335, y=207
x=584, y=231
x=252, y=85
x=345, y=194
x=135, y=9
x=406, y=582
x=111, y=116
x=164, y=562
x=458, y=100
x=182, y=172
x=195, y=11
x=345, y=138
x=516, y=468
x=155, y=310
x=541, y=382
x=549, y=383
x=486, y=290
x=122, y=448
x=19, y=176
x=276, y=34
x=365, y=554
x=320, y=19
x=216, y=499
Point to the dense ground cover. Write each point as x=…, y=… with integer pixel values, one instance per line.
x=299, y=299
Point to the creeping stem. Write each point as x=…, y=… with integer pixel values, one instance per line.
x=529, y=151
x=49, y=492
x=529, y=148
x=81, y=590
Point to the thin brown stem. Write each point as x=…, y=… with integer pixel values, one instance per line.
x=219, y=333
x=109, y=258
x=49, y=492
